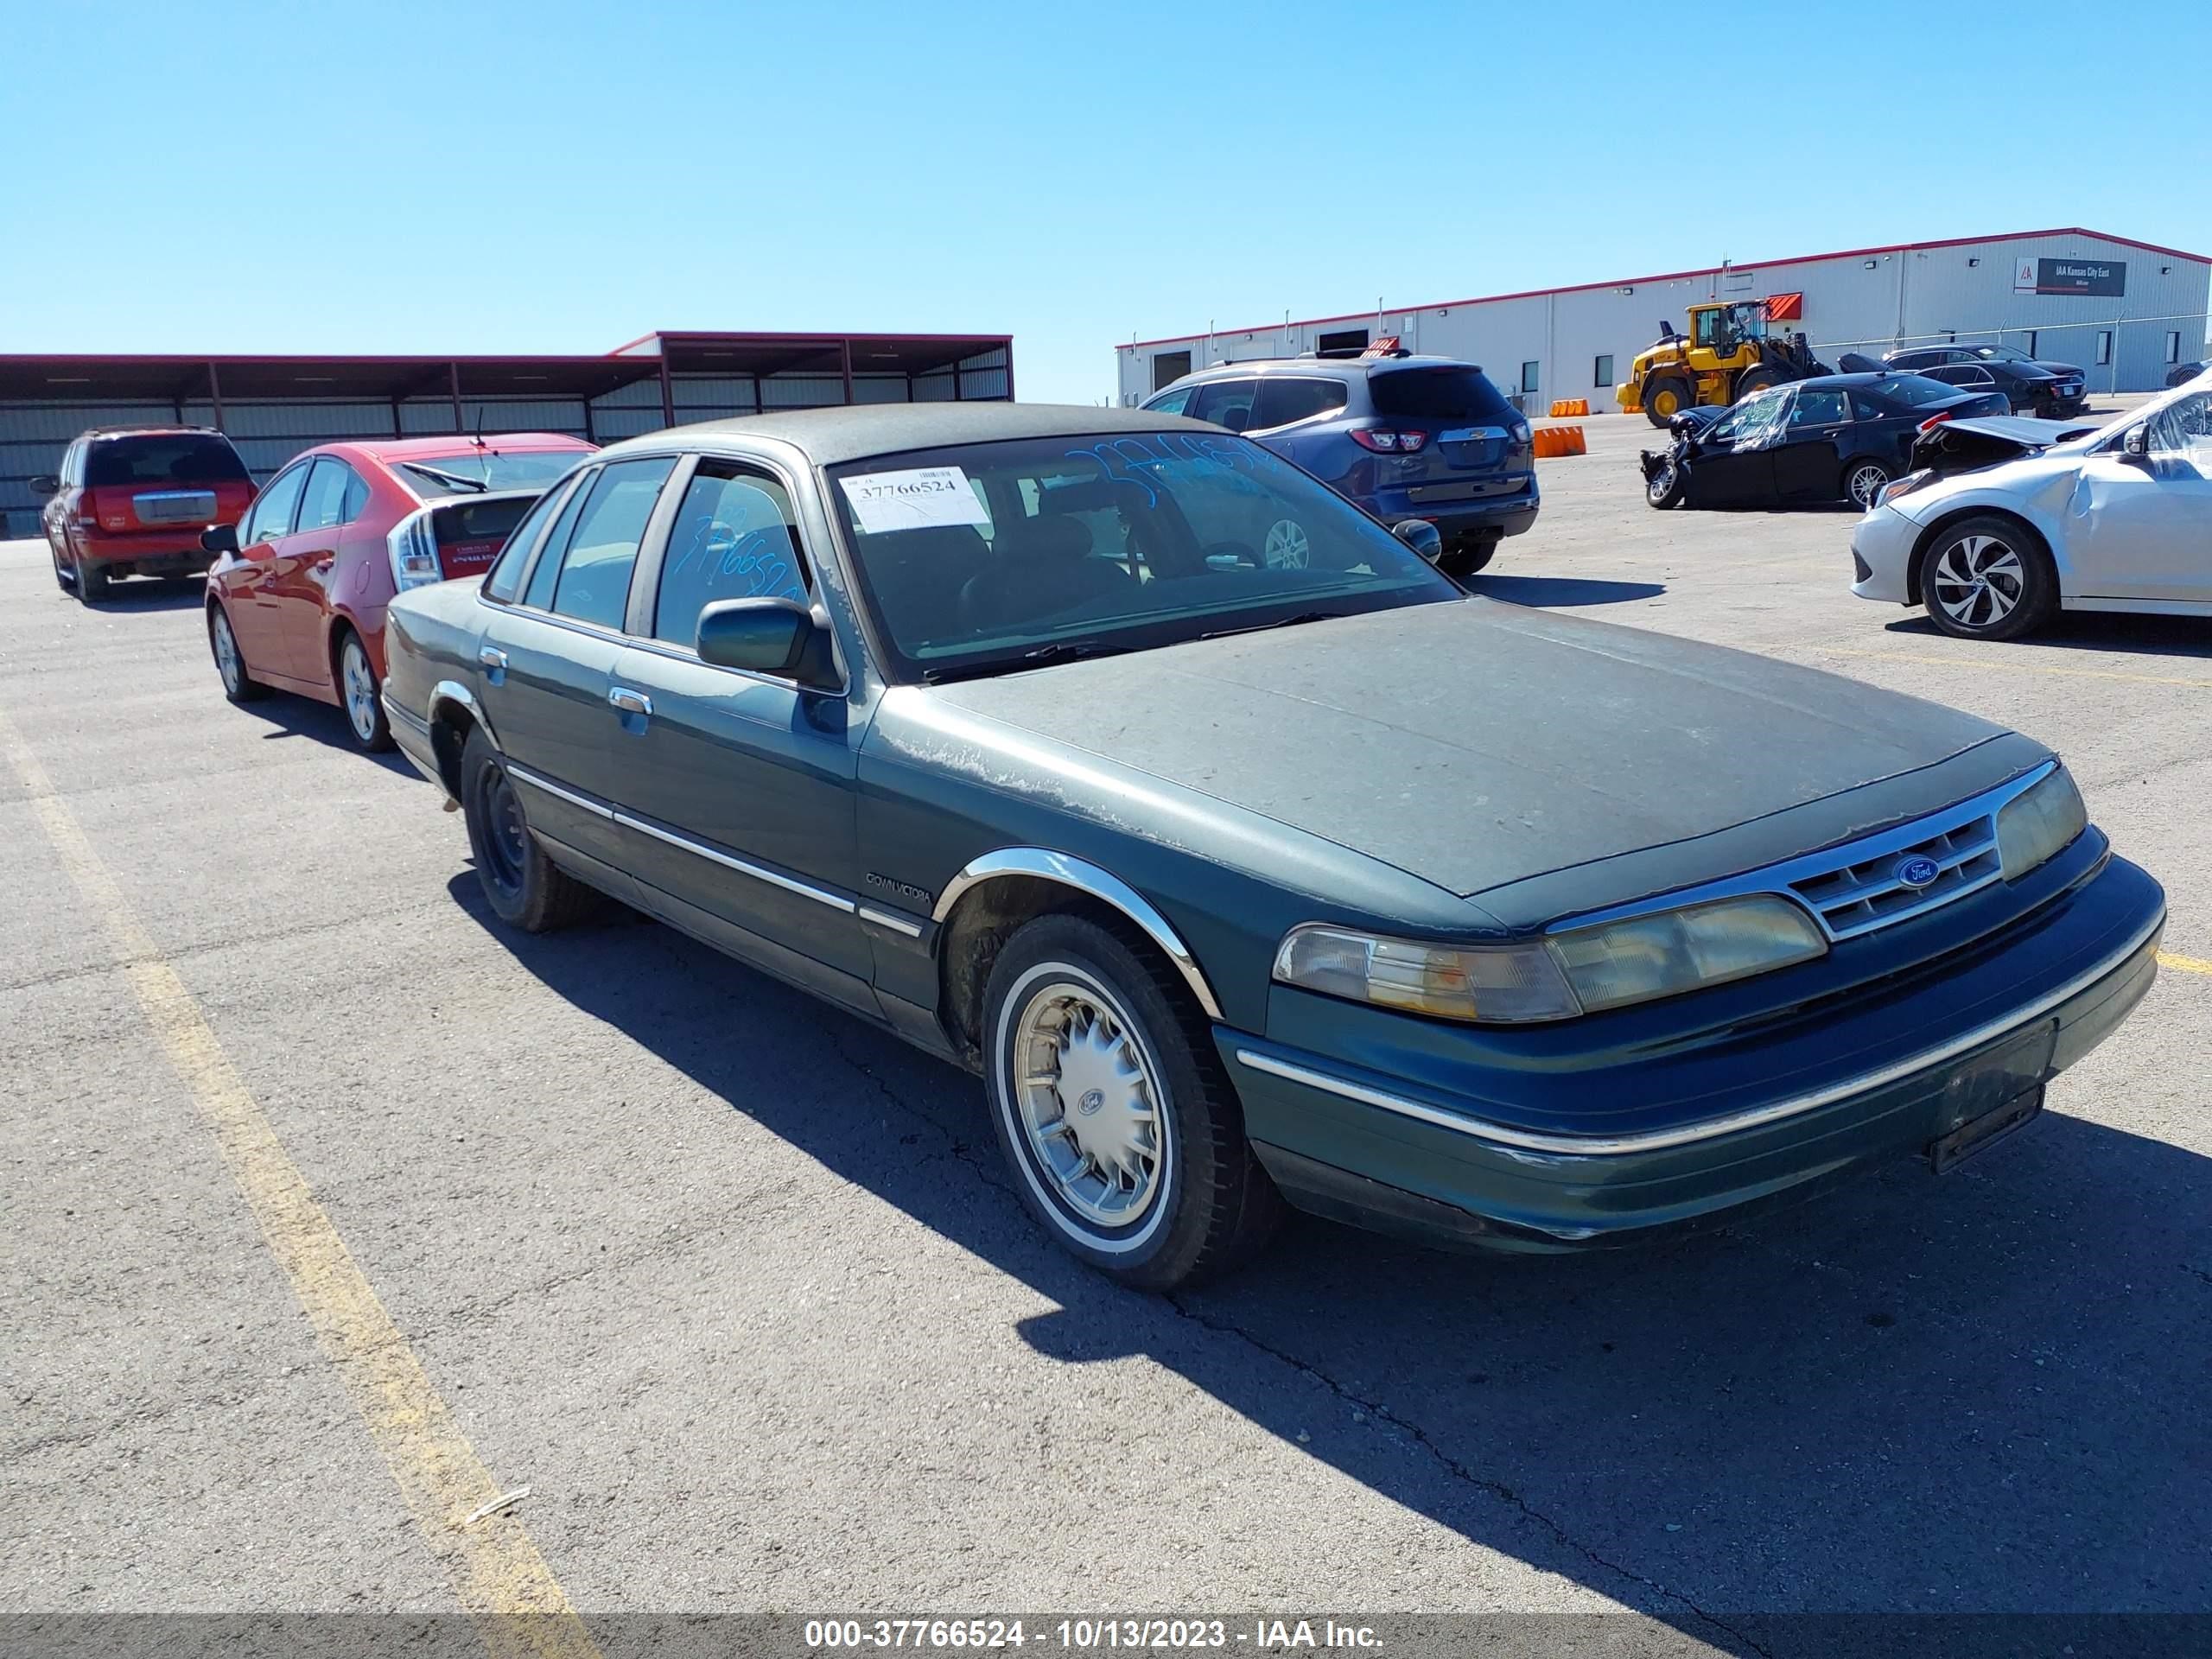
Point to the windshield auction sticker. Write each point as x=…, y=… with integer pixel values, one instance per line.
x=916, y=500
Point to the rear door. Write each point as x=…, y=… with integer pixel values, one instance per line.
x=737, y=788
x=547, y=660
x=247, y=600
x=1809, y=452
x=2148, y=530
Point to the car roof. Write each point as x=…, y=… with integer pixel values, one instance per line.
x=1868, y=380
x=151, y=432
x=1308, y=365
x=457, y=443
x=829, y=437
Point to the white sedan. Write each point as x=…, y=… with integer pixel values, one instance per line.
x=2119, y=520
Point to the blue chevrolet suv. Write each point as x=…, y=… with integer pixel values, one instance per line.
x=1402, y=436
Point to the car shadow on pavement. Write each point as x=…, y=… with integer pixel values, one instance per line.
x=137, y=594
x=1983, y=1394
x=1560, y=590
x=2147, y=636
x=289, y=716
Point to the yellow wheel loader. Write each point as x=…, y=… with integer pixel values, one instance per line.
x=1728, y=354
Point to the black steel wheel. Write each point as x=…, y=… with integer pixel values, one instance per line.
x=525, y=889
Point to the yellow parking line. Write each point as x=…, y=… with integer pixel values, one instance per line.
x=519, y=1609
x=2005, y=662
x=2186, y=964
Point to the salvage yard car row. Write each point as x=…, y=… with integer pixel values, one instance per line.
x=1024, y=733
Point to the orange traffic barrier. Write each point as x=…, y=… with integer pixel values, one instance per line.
x=1566, y=406
x=1555, y=441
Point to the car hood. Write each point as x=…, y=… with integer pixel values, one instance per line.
x=1478, y=745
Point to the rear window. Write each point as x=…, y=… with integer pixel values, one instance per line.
x=1438, y=394
x=477, y=472
x=1914, y=389
x=175, y=458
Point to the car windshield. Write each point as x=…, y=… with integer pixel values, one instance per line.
x=986, y=557
x=1440, y=394
x=474, y=472
x=1915, y=390
x=194, y=458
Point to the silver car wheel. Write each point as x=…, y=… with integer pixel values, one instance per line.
x=1865, y=483
x=1978, y=580
x=1287, y=547
x=1087, y=1100
x=359, y=682
x=227, y=655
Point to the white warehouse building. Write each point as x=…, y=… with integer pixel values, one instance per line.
x=2125, y=311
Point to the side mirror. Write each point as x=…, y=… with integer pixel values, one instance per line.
x=220, y=538
x=45, y=484
x=1421, y=536
x=767, y=636
x=2135, y=444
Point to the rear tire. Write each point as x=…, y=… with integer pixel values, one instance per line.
x=238, y=686
x=1466, y=556
x=92, y=581
x=1863, y=480
x=1988, y=577
x=1665, y=396
x=1145, y=1175
x=361, y=695
x=525, y=888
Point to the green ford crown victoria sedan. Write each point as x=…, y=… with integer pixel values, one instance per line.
x=1246, y=857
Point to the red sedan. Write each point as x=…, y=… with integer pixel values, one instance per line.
x=297, y=594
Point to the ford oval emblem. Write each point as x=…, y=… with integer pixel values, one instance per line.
x=1917, y=871
x=1091, y=1100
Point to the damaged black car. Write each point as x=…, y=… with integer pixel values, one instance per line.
x=1835, y=439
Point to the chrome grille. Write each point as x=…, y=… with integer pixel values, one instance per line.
x=1868, y=893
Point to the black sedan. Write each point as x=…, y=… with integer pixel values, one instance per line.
x=2183, y=375
x=1838, y=438
x=2053, y=390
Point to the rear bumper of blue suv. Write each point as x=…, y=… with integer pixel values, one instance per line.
x=1505, y=506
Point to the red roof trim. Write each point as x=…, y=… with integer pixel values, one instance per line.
x=1677, y=275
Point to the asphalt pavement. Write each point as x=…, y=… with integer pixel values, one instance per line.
x=736, y=1286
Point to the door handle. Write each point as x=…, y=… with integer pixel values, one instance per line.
x=629, y=702
x=491, y=657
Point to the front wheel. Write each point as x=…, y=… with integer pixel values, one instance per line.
x=1989, y=578
x=1863, y=481
x=238, y=686
x=1666, y=484
x=1666, y=397
x=1753, y=380
x=362, y=695
x=1126, y=1138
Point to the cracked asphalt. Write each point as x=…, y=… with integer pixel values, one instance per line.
x=736, y=1286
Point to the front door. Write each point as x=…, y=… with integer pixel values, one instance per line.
x=737, y=788
x=546, y=661
x=2144, y=528
x=247, y=599
x=300, y=574
x=1734, y=465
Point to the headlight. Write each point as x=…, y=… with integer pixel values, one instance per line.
x=1581, y=971
x=1671, y=951
x=2043, y=821
x=1512, y=982
x=1905, y=485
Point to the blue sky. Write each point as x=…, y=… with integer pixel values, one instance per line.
x=558, y=177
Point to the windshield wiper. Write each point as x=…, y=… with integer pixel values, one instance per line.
x=1060, y=650
x=1302, y=617
x=479, y=485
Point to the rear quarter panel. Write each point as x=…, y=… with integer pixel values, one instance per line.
x=430, y=636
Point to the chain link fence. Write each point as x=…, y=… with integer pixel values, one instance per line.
x=2115, y=353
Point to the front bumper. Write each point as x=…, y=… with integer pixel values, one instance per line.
x=1881, y=547
x=1451, y=1152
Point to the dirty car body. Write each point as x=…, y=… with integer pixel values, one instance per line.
x=1059, y=779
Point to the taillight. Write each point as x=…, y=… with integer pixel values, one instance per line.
x=414, y=550
x=1936, y=420
x=1388, y=440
